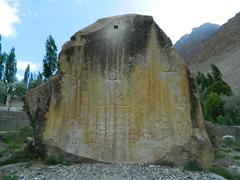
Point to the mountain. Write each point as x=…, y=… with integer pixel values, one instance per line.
x=223, y=50
x=190, y=43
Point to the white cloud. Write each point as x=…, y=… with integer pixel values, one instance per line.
x=177, y=18
x=19, y=76
x=9, y=16
x=22, y=65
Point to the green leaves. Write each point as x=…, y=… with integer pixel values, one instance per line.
x=11, y=67
x=212, y=89
x=26, y=76
x=50, y=58
x=213, y=106
x=232, y=108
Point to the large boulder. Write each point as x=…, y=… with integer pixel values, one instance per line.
x=122, y=95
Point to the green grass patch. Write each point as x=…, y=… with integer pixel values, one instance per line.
x=10, y=177
x=226, y=150
x=3, y=152
x=16, y=140
x=236, y=147
x=54, y=160
x=18, y=157
x=237, y=157
x=219, y=154
x=193, y=166
x=224, y=172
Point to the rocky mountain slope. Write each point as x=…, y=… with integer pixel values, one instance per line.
x=190, y=43
x=223, y=50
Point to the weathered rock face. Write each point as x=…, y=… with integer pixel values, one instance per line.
x=122, y=95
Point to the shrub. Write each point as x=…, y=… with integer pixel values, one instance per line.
x=18, y=157
x=193, y=166
x=236, y=147
x=10, y=177
x=219, y=155
x=225, y=120
x=224, y=172
x=3, y=92
x=237, y=157
x=232, y=108
x=213, y=107
x=54, y=160
x=219, y=87
x=16, y=140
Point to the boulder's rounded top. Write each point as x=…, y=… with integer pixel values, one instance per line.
x=103, y=22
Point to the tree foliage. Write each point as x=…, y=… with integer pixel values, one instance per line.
x=11, y=67
x=3, y=92
x=213, y=107
x=34, y=80
x=219, y=87
x=50, y=58
x=2, y=61
x=213, y=82
x=212, y=88
x=20, y=90
x=232, y=108
x=216, y=74
x=26, y=76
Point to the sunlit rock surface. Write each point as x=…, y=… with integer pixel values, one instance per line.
x=122, y=95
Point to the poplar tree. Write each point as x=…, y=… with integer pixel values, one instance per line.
x=26, y=76
x=11, y=67
x=2, y=61
x=50, y=58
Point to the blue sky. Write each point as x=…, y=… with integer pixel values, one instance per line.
x=25, y=24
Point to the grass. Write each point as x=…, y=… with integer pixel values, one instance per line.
x=224, y=172
x=236, y=147
x=54, y=160
x=16, y=140
x=193, y=166
x=237, y=157
x=3, y=152
x=18, y=157
x=219, y=154
x=10, y=177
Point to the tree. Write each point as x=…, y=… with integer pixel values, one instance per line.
x=212, y=82
x=39, y=79
x=50, y=59
x=11, y=67
x=26, y=76
x=202, y=81
x=216, y=74
x=232, y=108
x=35, y=81
x=219, y=87
x=20, y=90
x=2, y=61
x=213, y=107
x=3, y=92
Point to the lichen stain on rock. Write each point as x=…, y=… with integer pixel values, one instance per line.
x=124, y=98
